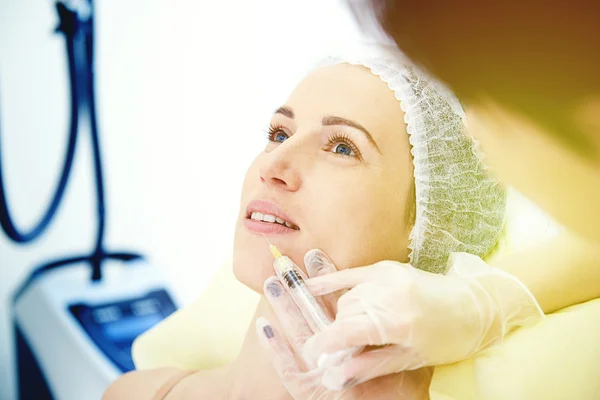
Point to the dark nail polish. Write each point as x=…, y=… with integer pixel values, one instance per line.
x=274, y=289
x=268, y=331
x=318, y=265
x=349, y=383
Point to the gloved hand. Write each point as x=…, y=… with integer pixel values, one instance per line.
x=305, y=384
x=424, y=319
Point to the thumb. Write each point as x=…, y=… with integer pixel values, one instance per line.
x=370, y=365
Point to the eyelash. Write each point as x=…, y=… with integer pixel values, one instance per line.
x=334, y=138
x=337, y=138
x=273, y=131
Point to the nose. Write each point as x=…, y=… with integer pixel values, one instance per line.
x=279, y=169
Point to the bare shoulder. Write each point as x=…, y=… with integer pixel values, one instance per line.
x=210, y=384
x=139, y=385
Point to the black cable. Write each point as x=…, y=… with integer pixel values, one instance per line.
x=79, y=42
x=68, y=27
x=98, y=253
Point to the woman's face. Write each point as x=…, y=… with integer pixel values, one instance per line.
x=337, y=168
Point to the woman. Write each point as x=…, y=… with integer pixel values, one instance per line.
x=529, y=76
x=338, y=174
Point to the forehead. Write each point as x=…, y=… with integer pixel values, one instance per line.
x=351, y=92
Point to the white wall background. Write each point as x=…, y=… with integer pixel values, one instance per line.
x=185, y=89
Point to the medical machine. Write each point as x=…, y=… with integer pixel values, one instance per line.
x=75, y=318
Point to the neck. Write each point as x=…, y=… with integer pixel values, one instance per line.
x=252, y=373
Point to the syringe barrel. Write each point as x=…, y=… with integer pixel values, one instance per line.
x=294, y=282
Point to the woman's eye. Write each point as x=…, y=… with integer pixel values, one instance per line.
x=280, y=137
x=276, y=134
x=340, y=144
x=343, y=149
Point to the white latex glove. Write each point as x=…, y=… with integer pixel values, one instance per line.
x=304, y=384
x=424, y=319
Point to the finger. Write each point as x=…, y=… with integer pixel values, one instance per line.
x=282, y=358
x=365, y=317
x=342, y=334
x=317, y=264
x=370, y=365
x=345, y=279
x=293, y=323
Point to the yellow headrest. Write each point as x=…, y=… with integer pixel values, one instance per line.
x=205, y=334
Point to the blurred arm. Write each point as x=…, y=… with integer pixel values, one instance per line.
x=560, y=272
x=140, y=385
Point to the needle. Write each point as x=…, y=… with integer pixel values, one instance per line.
x=276, y=253
x=267, y=240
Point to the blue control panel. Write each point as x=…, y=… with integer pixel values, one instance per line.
x=114, y=326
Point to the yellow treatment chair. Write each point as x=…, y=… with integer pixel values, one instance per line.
x=557, y=359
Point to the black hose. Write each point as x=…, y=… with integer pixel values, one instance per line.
x=69, y=28
x=79, y=42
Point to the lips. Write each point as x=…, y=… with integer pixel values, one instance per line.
x=266, y=217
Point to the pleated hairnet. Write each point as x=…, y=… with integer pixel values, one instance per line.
x=459, y=206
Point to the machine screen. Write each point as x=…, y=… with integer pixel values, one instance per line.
x=129, y=328
x=114, y=326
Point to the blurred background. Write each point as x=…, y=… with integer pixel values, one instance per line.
x=184, y=93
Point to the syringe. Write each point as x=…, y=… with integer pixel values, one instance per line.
x=294, y=281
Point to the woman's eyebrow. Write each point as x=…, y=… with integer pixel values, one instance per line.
x=285, y=110
x=329, y=120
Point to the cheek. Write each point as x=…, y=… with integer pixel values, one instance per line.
x=361, y=221
x=252, y=263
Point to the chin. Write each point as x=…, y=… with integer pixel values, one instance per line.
x=252, y=264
